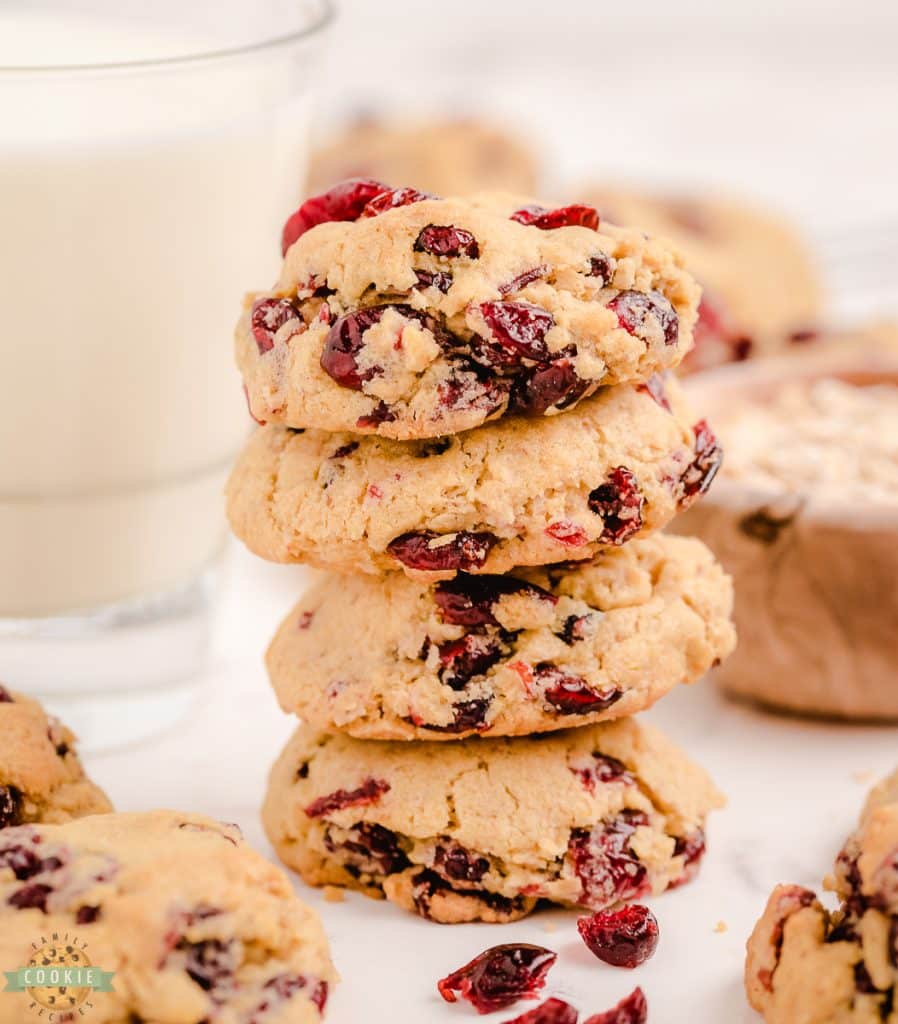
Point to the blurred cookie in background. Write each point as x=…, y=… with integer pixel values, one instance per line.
x=444, y=155
x=760, y=288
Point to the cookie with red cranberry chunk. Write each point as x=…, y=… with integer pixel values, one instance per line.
x=482, y=829
x=408, y=316
x=808, y=963
x=518, y=492
x=41, y=775
x=535, y=650
x=193, y=924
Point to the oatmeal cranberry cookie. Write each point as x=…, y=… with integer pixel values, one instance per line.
x=538, y=650
x=41, y=776
x=810, y=965
x=407, y=316
x=520, y=492
x=449, y=156
x=482, y=829
x=194, y=924
x=760, y=287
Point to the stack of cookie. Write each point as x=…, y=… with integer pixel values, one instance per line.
x=466, y=421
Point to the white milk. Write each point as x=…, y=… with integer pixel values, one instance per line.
x=135, y=210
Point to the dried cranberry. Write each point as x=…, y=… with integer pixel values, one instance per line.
x=547, y=386
x=699, y=474
x=458, y=864
x=467, y=387
x=619, y=502
x=634, y=309
x=467, y=715
x=604, y=769
x=517, y=331
x=804, y=335
x=10, y=806
x=343, y=202
x=633, y=1009
x=523, y=279
x=392, y=199
x=429, y=551
x=426, y=884
x=5, y=696
x=23, y=862
x=381, y=413
x=562, y=217
x=285, y=987
x=603, y=267
x=469, y=600
x=87, y=915
x=623, y=938
x=344, y=342
x=499, y=976
x=567, y=533
x=448, y=241
x=370, y=849
x=573, y=629
x=31, y=897
x=608, y=870
x=440, y=279
x=552, y=1011
x=267, y=317
x=370, y=792
x=654, y=386
x=572, y=695
x=210, y=963
x=469, y=656
x=344, y=450
x=691, y=848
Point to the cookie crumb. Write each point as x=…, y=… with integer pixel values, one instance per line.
x=721, y=927
x=333, y=894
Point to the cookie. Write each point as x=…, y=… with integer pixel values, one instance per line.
x=810, y=964
x=539, y=650
x=760, y=287
x=194, y=924
x=519, y=492
x=482, y=829
x=449, y=156
x=414, y=317
x=41, y=776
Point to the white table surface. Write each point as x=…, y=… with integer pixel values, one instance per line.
x=794, y=791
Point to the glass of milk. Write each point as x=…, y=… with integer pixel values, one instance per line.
x=149, y=154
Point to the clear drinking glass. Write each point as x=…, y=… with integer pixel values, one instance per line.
x=149, y=154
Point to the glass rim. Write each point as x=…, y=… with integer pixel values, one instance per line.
x=320, y=21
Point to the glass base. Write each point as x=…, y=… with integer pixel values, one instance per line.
x=118, y=674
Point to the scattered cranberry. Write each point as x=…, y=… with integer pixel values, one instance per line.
x=458, y=864
x=344, y=342
x=465, y=388
x=429, y=551
x=633, y=1009
x=619, y=502
x=285, y=987
x=552, y=1011
x=210, y=963
x=370, y=792
x=345, y=201
x=267, y=317
x=5, y=696
x=469, y=600
x=441, y=280
x=517, y=331
x=691, y=848
x=523, y=279
x=568, y=533
x=87, y=915
x=499, y=977
x=574, y=629
x=467, y=715
x=392, y=199
x=804, y=335
x=622, y=938
x=447, y=241
x=603, y=769
x=427, y=884
x=547, y=386
x=654, y=386
x=25, y=863
x=634, y=308
x=467, y=657
x=572, y=695
x=10, y=806
x=381, y=413
x=602, y=267
x=699, y=474
x=563, y=216
x=31, y=897
x=608, y=870
x=344, y=450
x=370, y=849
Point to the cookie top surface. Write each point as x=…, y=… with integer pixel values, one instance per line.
x=194, y=923
x=41, y=776
x=518, y=492
x=435, y=316
x=448, y=156
x=806, y=962
x=539, y=650
x=537, y=816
